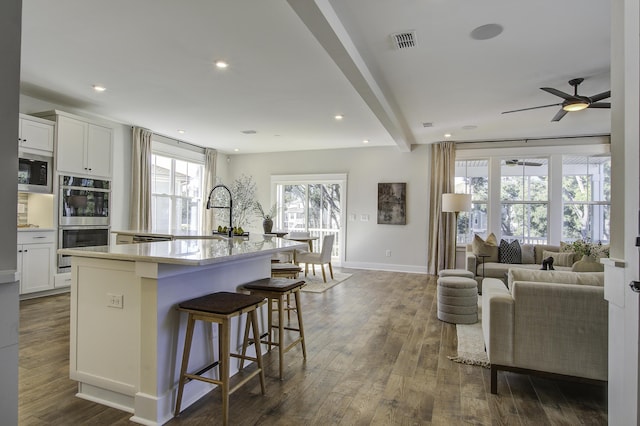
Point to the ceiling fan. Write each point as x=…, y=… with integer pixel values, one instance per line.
x=573, y=102
x=522, y=163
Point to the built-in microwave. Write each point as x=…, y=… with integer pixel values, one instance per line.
x=34, y=173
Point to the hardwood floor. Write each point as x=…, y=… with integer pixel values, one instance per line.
x=377, y=354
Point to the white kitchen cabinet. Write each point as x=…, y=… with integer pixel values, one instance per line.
x=35, y=133
x=83, y=148
x=36, y=259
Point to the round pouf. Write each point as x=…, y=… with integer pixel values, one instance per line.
x=457, y=300
x=455, y=273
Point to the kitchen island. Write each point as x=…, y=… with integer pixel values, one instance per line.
x=129, y=236
x=126, y=335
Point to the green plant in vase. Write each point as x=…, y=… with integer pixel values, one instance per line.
x=267, y=217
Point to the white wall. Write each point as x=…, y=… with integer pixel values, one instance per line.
x=366, y=242
x=10, y=19
x=624, y=305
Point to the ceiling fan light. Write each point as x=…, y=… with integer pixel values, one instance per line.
x=575, y=106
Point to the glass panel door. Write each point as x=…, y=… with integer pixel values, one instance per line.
x=315, y=207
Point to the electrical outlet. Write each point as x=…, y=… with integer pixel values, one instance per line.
x=115, y=300
x=387, y=253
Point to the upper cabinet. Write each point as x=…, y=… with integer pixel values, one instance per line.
x=83, y=147
x=35, y=133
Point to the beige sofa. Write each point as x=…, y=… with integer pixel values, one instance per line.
x=499, y=270
x=546, y=321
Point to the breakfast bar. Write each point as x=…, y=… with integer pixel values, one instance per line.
x=126, y=334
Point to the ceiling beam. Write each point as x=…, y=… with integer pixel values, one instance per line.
x=323, y=22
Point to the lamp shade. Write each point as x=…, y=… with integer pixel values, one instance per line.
x=456, y=202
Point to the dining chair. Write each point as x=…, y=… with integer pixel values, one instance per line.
x=321, y=258
x=298, y=234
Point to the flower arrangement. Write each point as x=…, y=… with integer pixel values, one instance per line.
x=261, y=213
x=587, y=248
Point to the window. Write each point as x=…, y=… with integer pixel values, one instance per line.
x=586, y=196
x=472, y=177
x=524, y=200
x=176, y=193
x=312, y=204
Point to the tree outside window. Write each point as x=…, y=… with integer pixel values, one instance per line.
x=586, y=196
x=472, y=177
x=524, y=195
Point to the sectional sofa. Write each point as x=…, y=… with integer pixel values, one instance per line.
x=552, y=322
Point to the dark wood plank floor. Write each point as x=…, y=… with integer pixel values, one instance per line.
x=377, y=354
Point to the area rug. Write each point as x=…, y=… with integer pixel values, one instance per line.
x=314, y=283
x=471, y=342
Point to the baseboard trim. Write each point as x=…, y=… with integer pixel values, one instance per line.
x=413, y=269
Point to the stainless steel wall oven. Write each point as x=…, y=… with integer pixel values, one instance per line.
x=80, y=236
x=84, y=201
x=83, y=215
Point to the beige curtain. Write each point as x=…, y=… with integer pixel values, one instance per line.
x=209, y=183
x=442, y=246
x=140, y=213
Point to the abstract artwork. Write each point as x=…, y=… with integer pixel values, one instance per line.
x=392, y=203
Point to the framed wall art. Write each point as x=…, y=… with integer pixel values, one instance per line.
x=392, y=203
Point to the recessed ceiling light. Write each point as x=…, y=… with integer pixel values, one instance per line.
x=99, y=88
x=222, y=64
x=486, y=32
x=365, y=141
x=338, y=117
x=236, y=149
x=182, y=132
x=447, y=135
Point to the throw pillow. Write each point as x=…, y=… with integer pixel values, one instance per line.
x=487, y=248
x=528, y=253
x=559, y=259
x=510, y=252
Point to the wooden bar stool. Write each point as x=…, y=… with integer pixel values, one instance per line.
x=219, y=308
x=276, y=290
x=286, y=270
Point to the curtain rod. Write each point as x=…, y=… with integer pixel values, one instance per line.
x=525, y=140
x=178, y=141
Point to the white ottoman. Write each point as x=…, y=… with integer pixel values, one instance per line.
x=457, y=300
x=455, y=273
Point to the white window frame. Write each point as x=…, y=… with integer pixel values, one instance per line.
x=177, y=150
x=553, y=149
x=331, y=178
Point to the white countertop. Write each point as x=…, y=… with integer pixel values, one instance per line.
x=32, y=229
x=170, y=233
x=189, y=251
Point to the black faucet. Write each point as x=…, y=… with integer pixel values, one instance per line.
x=230, y=207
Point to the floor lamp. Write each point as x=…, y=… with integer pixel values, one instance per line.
x=456, y=203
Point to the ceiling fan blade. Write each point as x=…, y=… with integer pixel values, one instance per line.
x=559, y=115
x=527, y=109
x=557, y=92
x=601, y=96
x=601, y=105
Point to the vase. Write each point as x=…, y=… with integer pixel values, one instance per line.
x=267, y=225
x=587, y=264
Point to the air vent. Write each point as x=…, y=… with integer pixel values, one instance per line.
x=404, y=40
x=427, y=124
x=249, y=132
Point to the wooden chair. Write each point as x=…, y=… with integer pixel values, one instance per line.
x=277, y=290
x=322, y=258
x=220, y=308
